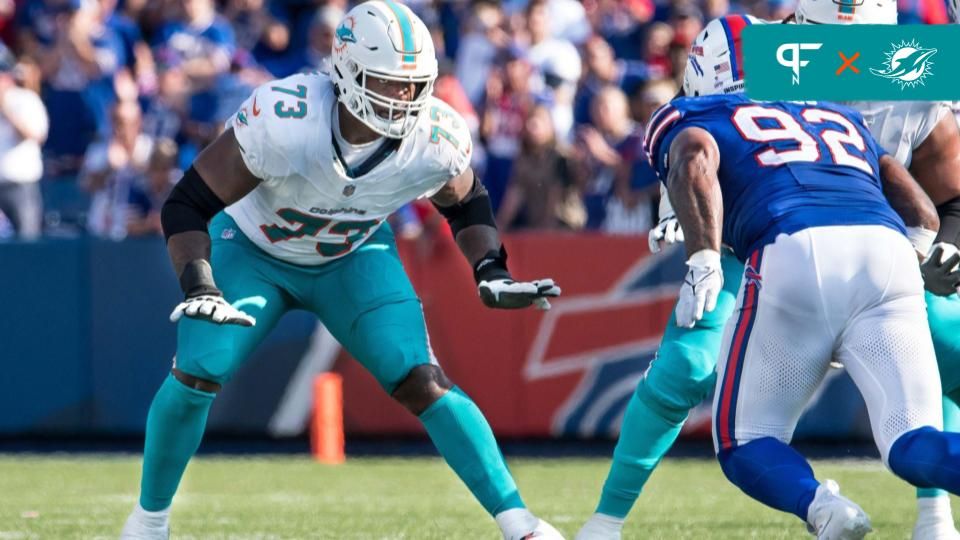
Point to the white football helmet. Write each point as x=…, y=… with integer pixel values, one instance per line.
x=715, y=62
x=385, y=40
x=847, y=12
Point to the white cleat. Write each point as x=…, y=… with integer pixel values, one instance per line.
x=937, y=530
x=520, y=524
x=934, y=519
x=600, y=527
x=144, y=525
x=543, y=531
x=834, y=517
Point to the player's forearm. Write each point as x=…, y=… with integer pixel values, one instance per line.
x=187, y=247
x=906, y=196
x=936, y=162
x=697, y=202
x=936, y=167
x=476, y=241
x=465, y=204
x=184, y=218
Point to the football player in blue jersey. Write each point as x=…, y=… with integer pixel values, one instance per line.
x=684, y=371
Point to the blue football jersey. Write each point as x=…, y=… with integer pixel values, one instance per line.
x=784, y=166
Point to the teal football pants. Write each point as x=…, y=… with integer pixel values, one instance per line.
x=680, y=377
x=364, y=299
x=367, y=303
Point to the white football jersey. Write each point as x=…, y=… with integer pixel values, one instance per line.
x=901, y=126
x=312, y=208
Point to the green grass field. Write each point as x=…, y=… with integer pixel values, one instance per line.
x=69, y=497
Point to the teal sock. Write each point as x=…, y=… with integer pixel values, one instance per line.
x=951, y=422
x=647, y=434
x=464, y=439
x=175, y=426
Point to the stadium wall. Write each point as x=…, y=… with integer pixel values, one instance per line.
x=85, y=342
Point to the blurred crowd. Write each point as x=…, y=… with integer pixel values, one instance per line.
x=104, y=102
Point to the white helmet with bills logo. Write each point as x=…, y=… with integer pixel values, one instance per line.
x=383, y=39
x=847, y=12
x=715, y=62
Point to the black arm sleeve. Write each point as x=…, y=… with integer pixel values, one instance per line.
x=474, y=209
x=190, y=206
x=949, y=213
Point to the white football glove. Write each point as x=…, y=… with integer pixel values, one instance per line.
x=700, y=287
x=509, y=294
x=668, y=229
x=939, y=270
x=211, y=308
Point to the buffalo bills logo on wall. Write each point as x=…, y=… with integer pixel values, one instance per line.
x=612, y=361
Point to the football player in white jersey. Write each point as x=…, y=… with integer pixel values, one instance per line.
x=298, y=189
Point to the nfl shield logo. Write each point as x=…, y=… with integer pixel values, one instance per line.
x=348, y=191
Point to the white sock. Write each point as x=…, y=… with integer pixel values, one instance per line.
x=607, y=523
x=153, y=520
x=516, y=522
x=934, y=509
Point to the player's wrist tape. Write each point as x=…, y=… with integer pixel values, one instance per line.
x=493, y=265
x=197, y=279
x=921, y=239
x=190, y=206
x=949, y=213
x=474, y=209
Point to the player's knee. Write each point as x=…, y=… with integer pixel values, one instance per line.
x=738, y=462
x=915, y=453
x=214, y=362
x=194, y=382
x=424, y=385
x=679, y=379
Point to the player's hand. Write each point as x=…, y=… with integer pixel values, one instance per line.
x=212, y=308
x=509, y=294
x=667, y=231
x=701, y=287
x=939, y=270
